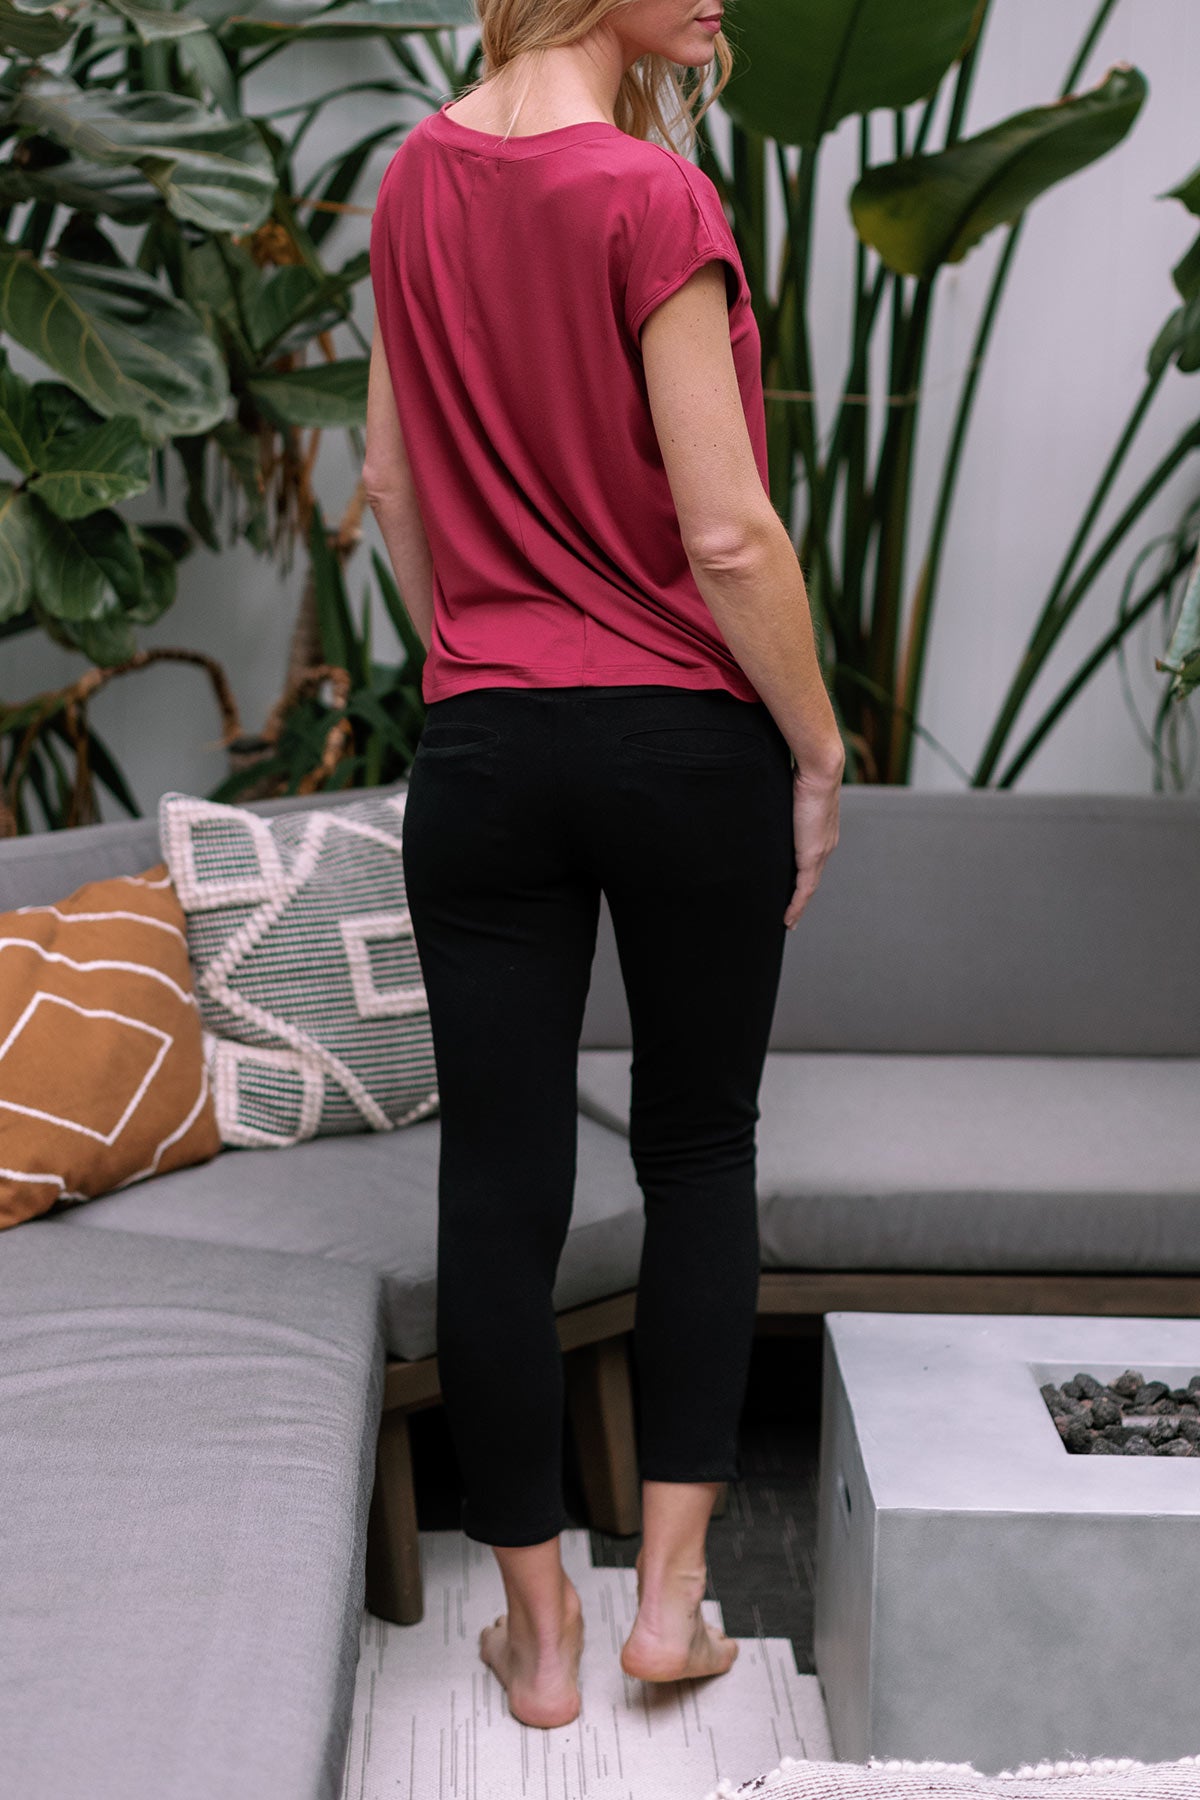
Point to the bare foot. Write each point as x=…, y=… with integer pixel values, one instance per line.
x=542, y=1684
x=671, y=1640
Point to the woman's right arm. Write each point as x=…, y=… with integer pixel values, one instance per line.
x=740, y=553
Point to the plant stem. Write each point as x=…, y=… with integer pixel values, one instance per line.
x=912, y=661
x=1055, y=611
x=931, y=569
x=850, y=454
x=803, y=421
x=893, y=495
x=1090, y=664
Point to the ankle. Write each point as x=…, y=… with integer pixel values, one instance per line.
x=544, y=1628
x=680, y=1576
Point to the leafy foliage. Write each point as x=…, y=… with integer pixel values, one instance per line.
x=224, y=342
x=803, y=66
x=350, y=721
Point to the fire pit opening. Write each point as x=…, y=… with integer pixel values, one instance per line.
x=1131, y=1414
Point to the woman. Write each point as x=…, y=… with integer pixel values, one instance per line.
x=566, y=454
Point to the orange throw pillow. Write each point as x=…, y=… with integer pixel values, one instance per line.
x=102, y=1076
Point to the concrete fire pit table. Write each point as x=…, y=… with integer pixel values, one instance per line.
x=983, y=1595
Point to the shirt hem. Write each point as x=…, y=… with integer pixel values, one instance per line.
x=598, y=675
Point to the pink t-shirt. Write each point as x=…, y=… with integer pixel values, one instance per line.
x=511, y=281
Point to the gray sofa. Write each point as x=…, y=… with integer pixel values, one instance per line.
x=980, y=1097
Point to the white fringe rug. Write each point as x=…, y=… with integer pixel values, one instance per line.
x=1106, y=1779
x=431, y=1721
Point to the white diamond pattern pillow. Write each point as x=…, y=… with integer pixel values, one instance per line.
x=307, y=977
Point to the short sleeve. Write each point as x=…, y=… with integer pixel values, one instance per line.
x=683, y=226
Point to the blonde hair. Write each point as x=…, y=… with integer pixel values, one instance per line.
x=656, y=96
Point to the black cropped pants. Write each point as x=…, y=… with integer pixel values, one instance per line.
x=523, y=805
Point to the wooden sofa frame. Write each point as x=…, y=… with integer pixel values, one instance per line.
x=595, y=1341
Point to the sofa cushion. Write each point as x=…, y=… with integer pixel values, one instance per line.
x=372, y=1200
x=999, y=1163
x=49, y=863
x=189, y=1449
x=307, y=976
x=102, y=1080
x=987, y=921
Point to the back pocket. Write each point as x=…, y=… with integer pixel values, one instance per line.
x=455, y=740
x=694, y=746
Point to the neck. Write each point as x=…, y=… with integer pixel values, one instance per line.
x=563, y=83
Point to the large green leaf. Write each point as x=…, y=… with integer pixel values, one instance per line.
x=75, y=463
x=160, y=566
x=87, y=568
x=154, y=22
x=105, y=641
x=82, y=472
x=213, y=172
x=18, y=533
x=925, y=211
x=250, y=27
x=121, y=194
x=804, y=65
x=20, y=428
x=1178, y=342
x=203, y=57
x=220, y=280
x=118, y=340
x=33, y=34
x=291, y=305
x=1186, y=273
x=328, y=394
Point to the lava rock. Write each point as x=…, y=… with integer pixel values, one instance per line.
x=1129, y=1416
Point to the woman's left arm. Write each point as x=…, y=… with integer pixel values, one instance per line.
x=392, y=496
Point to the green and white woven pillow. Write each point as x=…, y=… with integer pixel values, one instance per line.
x=306, y=972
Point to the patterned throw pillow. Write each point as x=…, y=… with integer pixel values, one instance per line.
x=307, y=977
x=102, y=1079
x=1107, y=1779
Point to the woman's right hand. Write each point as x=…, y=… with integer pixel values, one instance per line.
x=815, y=829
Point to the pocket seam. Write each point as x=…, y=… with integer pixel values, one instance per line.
x=748, y=747
x=487, y=742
